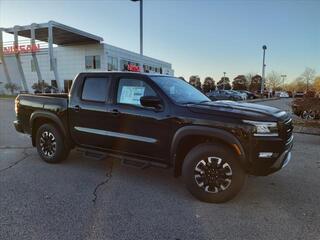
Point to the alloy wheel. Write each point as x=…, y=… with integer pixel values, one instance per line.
x=213, y=174
x=48, y=144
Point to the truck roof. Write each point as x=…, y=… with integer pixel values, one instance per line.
x=126, y=72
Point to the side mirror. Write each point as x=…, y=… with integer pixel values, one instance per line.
x=151, y=101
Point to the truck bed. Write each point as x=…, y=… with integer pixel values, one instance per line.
x=56, y=104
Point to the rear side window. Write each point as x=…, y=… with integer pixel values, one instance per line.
x=95, y=89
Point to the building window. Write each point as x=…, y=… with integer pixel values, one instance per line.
x=112, y=63
x=93, y=62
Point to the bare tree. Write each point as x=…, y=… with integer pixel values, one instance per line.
x=308, y=76
x=274, y=81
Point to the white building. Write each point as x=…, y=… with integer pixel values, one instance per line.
x=67, y=52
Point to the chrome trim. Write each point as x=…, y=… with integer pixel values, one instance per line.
x=116, y=134
x=265, y=154
x=287, y=160
x=289, y=140
x=266, y=134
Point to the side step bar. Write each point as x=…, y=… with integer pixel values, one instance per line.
x=125, y=160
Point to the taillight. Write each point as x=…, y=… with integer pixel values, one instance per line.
x=16, y=103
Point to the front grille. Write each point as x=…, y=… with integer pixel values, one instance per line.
x=287, y=131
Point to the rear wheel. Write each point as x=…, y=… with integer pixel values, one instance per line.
x=50, y=144
x=212, y=173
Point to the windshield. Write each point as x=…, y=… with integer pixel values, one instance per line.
x=179, y=91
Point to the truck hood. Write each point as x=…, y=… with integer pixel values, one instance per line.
x=240, y=110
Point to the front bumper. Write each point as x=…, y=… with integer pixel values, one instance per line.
x=282, y=161
x=18, y=126
x=262, y=166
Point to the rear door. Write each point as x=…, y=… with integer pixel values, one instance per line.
x=88, y=111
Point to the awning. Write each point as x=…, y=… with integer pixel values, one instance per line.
x=62, y=34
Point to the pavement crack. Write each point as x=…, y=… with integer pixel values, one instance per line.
x=25, y=156
x=105, y=181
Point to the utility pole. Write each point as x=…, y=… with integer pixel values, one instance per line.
x=283, y=77
x=264, y=47
x=224, y=78
x=141, y=25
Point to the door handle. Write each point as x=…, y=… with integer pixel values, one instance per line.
x=77, y=108
x=115, y=112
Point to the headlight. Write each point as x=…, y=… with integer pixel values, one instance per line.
x=269, y=129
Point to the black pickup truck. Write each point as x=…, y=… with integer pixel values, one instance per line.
x=162, y=121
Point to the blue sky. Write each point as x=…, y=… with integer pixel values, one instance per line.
x=200, y=37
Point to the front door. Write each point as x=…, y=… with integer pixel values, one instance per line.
x=138, y=130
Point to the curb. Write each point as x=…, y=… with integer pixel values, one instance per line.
x=7, y=98
x=262, y=99
x=307, y=133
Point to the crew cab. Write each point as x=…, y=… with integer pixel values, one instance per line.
x=161, y=121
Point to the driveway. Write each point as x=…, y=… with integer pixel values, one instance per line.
x=85, y=198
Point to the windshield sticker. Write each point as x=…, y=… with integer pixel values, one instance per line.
x=131, y=95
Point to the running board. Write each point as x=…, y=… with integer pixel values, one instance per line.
x=135, y=164
x=125, y=160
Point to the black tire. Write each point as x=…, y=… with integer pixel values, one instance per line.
x=213, y=173
x=50, y=144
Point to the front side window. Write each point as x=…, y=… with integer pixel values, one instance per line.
x=93, y=62
x=95, y=89
x=179, y=91
x=131, y=90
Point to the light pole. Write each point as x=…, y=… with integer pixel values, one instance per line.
x=264, y=47
x=283, y=77
x=141, y=25
x=224, y=78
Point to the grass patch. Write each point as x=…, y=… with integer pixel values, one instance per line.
x=8, y=96
x=307, y=123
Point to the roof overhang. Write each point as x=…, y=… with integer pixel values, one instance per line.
x=62, y=34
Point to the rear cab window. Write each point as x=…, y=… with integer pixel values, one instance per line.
x=95, y=89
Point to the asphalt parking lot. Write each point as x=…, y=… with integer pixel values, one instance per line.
x=85, y=198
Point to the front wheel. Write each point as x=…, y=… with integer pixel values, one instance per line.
x=212, y=173
x=50, y=144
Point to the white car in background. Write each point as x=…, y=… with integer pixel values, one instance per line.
x=282, y=94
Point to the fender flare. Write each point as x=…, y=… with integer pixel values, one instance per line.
x=219, y=134
x=48, y=115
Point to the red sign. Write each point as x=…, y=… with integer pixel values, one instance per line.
x=133, y=68
x=21, y=49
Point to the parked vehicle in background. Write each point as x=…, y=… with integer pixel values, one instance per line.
x=250, y=95
x=242, y=95
x=281, y=94
x=307, y=107
x=155, y=120
x=224, y=95
x=298, y=94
